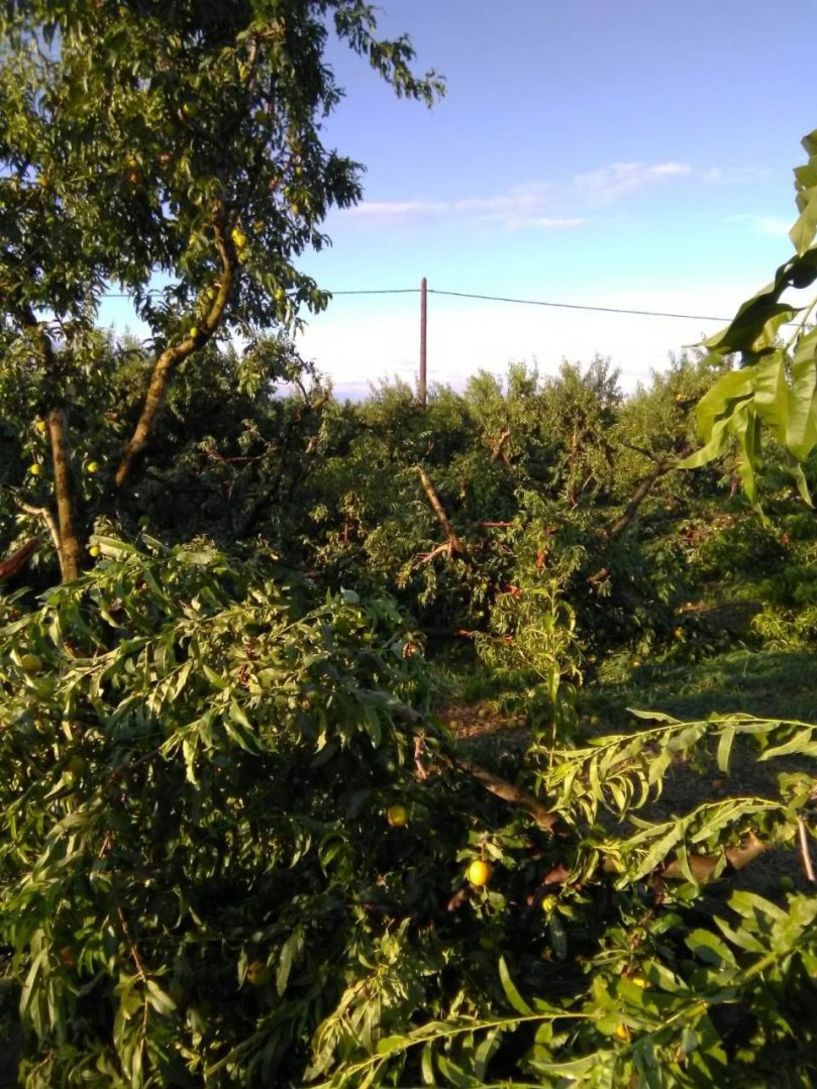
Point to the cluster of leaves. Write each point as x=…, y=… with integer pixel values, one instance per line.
x=775, y=387
x=192, y=770
x=199, y=883
x=668, y=995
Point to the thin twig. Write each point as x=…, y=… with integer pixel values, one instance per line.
x=49, y=520
x=134, y=952
x=805, y=853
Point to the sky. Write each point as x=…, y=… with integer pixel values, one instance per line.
x=614, y=153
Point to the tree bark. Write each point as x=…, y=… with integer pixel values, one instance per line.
x=18, y=559
x=170, y=358
x=642, y=491
x=454, y=543
x=70, y=547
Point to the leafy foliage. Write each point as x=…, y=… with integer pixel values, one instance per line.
x=239, y=848
x=776, y=386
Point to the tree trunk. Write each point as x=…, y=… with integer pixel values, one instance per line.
x=70, y=548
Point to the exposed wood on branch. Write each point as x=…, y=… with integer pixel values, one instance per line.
x=49, y=521
x=70, y=548
x=166, y=364
x=429, y=557
x=805, y=853
x=509, y=793
x=642, y=491
x=702, y=867
x=18, y=559
x=453, y=543
x=498, y=452
x=62, y=528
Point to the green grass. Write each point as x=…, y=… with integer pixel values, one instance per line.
x=766, y=683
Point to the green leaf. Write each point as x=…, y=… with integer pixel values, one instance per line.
x=159, y=1000
x=710, y=949
x=803, y=743
x=725, y=746
x=558, y=937
x=511, y=993
x=290, y=950
x=803, y=231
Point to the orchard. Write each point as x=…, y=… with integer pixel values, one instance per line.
x=355, y=745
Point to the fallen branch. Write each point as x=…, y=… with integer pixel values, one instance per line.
x=703, y=866
x=18, y=559
x=494, y=784
x=642, y=491
x=454, y=544
x=498, y=448
x=501, y=788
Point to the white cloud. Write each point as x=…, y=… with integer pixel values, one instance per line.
x=734, y=175
x=397, y=209
x=522, y=206
x=772, y=226
x=547, y=206
x=617, y=180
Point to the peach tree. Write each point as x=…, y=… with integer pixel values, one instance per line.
x=172, y=153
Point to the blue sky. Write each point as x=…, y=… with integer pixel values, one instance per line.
x=620, y=153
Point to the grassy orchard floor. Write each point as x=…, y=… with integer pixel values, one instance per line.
x=482, y=710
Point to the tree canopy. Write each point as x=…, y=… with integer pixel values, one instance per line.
x=175, y=150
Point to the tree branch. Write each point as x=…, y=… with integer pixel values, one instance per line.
x=509, y=793
x=642, y=491
x=49, y=520
x=454, y=543
x=18, y=559
x=170, y=358
x=70, y=548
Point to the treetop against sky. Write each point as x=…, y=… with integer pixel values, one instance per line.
x=631, y=155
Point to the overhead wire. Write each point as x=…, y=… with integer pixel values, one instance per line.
x=637, y=312
x=628, y=310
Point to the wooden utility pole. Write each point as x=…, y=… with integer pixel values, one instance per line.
x=422, y=387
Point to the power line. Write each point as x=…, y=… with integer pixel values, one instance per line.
x=381, y=291
x=633, y=311
x=508, y=299
x=578, y=306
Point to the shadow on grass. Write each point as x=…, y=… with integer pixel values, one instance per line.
x=766, y=683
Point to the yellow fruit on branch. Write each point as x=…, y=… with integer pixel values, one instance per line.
x=92, y=467
x=479, y=872
x=67, y=959
x=193, y=332
x=76, y=767
x=239, y=238
x=257, y=974
x=397, y=816
x=40, y=426
x=31, y=663
x=35, y=470
x=94, y=551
